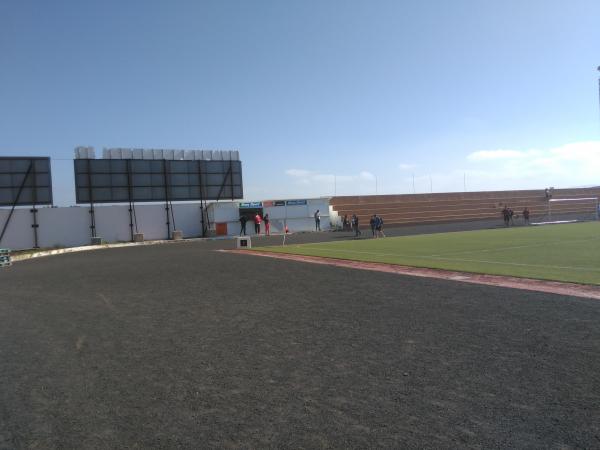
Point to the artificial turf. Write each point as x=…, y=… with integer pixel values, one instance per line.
x=563, y=252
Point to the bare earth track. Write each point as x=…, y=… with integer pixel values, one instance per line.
x=179, y=346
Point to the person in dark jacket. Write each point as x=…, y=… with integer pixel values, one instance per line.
x=243, y=220
x=373, y=223
x=526, y=215
x=506, y=216
x=355, y=225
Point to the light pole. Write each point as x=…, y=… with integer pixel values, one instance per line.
x=599, y=91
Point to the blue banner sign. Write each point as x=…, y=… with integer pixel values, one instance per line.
x=251, y=204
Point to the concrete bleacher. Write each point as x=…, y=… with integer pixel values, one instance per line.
x=406, y=209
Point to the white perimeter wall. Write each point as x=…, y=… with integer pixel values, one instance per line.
x=70, y=226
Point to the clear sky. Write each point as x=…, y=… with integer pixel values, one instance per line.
x=500, y=93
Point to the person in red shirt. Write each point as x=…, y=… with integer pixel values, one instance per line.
x=267, y=225
x=257, y=221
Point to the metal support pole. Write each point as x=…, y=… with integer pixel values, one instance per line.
x=172, y=215
x=130, y=199
x=91, y=197
x=34, y=210
x=202, y=208
x=223, y=184
x=231, y=178
x=599, y=93
x=168, y=223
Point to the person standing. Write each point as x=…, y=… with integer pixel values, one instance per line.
x=506, y=216
x=243, y=220
x=356, y=228
x=257, y=221
x=379, y=226
x=372, y=222
x=526, y=215
x=317, y=216
x=267, y=225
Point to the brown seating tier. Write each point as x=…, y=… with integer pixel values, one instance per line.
x=457, y=206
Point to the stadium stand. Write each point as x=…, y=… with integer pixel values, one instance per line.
x=406, y=209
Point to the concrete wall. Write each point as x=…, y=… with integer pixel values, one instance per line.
x=69, y=227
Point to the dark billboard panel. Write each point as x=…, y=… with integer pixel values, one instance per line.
x=25, y=181
x=155, y=180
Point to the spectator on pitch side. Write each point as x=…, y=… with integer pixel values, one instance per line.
x=526, y=216
x=355, y=224
x=345, y=223
x=506, y=216
x=266, y=220
x=379, y=226
x=243, y=220
x=317, y=216
x=372, y=222
x=257, y=221
x=511, y=213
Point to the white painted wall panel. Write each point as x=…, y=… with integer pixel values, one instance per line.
x=70, y=226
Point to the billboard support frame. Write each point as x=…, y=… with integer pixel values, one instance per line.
x=132, y=215
x=229, y=174
x=16, y=201
x=34, y=210
x=202, y=207
x=91, y=211
x=166, y=199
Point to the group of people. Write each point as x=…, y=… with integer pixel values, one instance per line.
x=508, y=214
x=353, y=224
x=258, y=220
x=376, y=223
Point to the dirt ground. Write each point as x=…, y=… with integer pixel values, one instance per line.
x=179, y=346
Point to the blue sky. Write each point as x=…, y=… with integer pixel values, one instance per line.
x=503, y=93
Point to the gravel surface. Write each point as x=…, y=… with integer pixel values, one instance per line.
x=179, y=346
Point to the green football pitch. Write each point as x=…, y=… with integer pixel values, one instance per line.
x=566, y=252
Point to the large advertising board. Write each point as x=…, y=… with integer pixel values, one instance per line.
x=145, y=180
x=25, y=181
